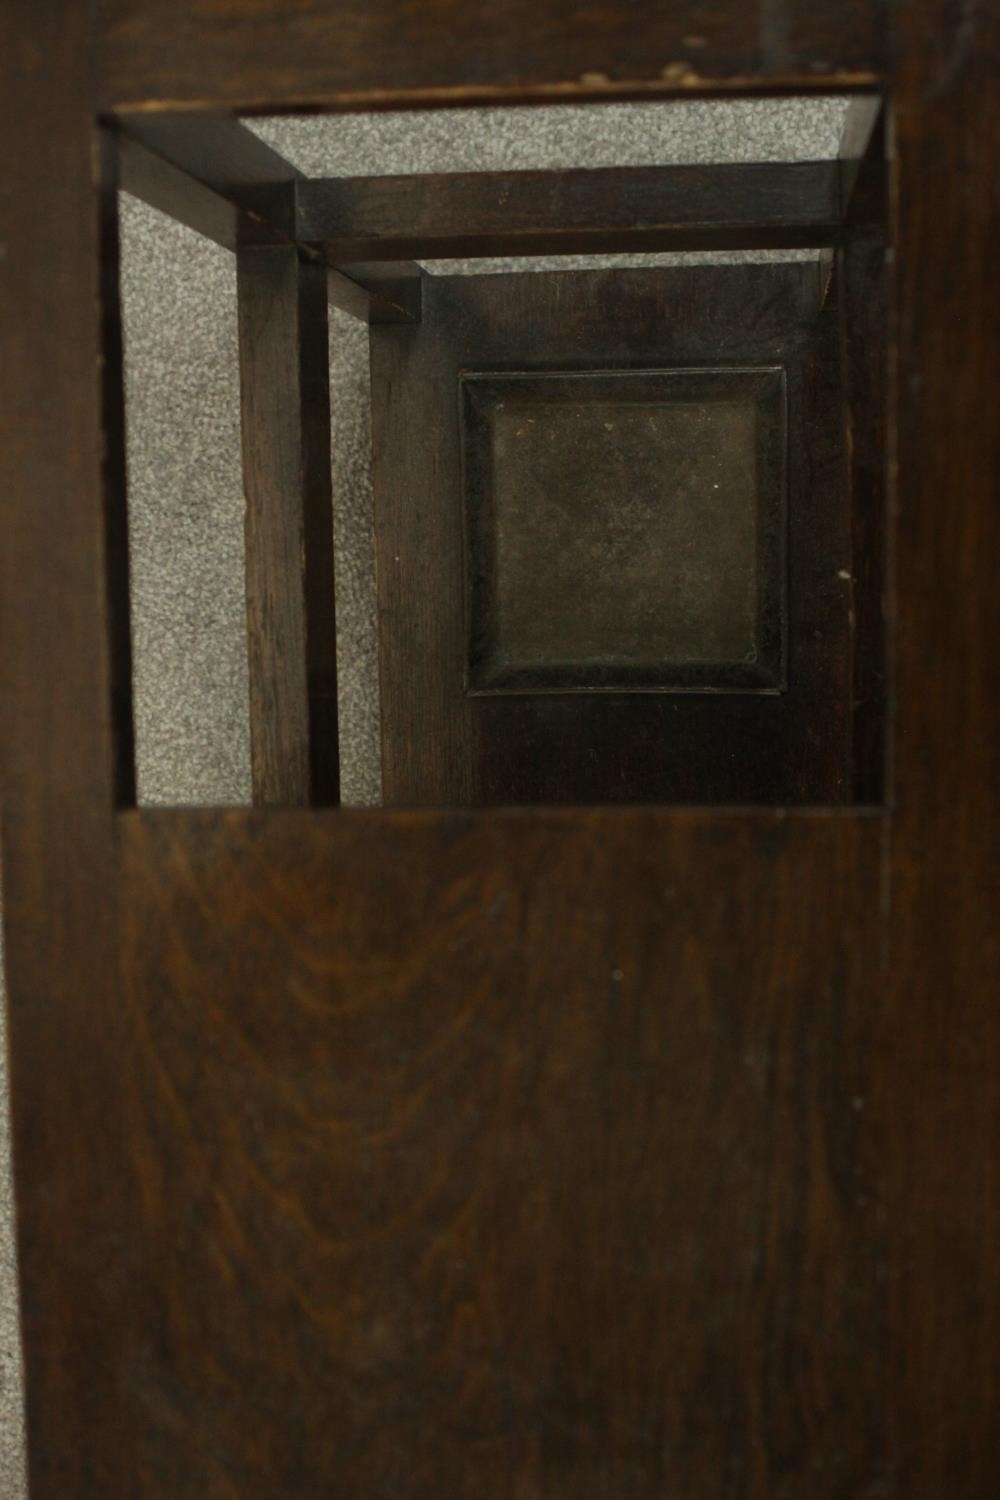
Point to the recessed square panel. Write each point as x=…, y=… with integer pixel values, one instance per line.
x=624, y=530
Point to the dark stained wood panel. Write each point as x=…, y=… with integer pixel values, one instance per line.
x=535, y=1155
x=625, y=530
x=64, y=749
x=346, y=52
x=442, y=747
x=942, y=1017
x=767, y=204
x=291, y=622
x=860, y=288
x=466, y=1172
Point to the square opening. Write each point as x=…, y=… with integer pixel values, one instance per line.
x=628, y=528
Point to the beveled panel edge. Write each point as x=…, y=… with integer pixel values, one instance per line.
x=767, y=676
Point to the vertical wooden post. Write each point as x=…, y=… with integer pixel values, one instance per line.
x=115, y=489
x=942, y=1021
x=861, y=297
x=284, y=376
x=862, y=301
x=65, y=753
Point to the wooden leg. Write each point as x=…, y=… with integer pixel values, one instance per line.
x=289, y=527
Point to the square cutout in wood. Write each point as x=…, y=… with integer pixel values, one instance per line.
x=625, y=530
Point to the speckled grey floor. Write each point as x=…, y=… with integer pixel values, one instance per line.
x=186, y=503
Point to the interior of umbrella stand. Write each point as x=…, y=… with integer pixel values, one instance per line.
x=591, y=509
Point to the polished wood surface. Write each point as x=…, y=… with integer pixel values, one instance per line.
x=442, y=747
x=503, y=1154
x=624, y=530
x=291, y=620
x=506, y=1154
x=860, y=290
x=941, y=1036
x=60, y=618
x=765, y=205
x=350, y=53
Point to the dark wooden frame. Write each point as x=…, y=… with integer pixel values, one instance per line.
x=193, y=1197
x=770, y=205
x=488, y=669
x=442, y=746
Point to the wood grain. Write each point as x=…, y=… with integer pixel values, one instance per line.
x=942, y=1022
x=64, y=750
x=625, y=531
x=184, y=52
x=509, y=1156
x=443, y=748
x=291, y=620
x=760, y=205
x=493, y=1155
x=860, y=287
x=860, y=290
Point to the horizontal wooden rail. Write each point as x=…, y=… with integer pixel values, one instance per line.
x=145, y=175
x=214, y=175
x=317, y=54
x=733, y=206
x=218, y=152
